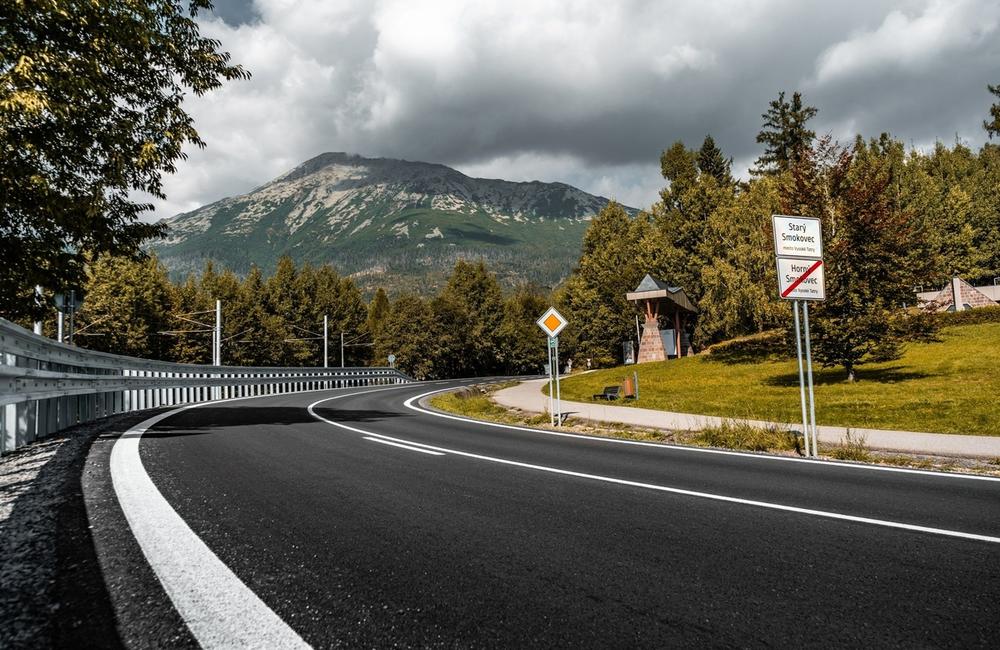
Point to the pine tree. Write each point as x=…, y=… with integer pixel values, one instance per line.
x=258, y=335
x=126, y=308
x=476, y=302
x=784, y=134
x=711, y=161
x=992, y=125
x=410, y=333
x=679, y=166
x=682, y=217
x=189, y=346
x=378, y=309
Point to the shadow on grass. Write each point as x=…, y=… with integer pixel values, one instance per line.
x=743, y=357
x=834, y=376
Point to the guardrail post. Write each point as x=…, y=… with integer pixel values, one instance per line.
x=8, y=437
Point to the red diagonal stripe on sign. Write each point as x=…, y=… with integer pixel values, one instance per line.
x=805, y=275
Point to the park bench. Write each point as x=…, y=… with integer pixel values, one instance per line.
x=609, y=393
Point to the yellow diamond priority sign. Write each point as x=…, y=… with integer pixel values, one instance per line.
x=552, y=322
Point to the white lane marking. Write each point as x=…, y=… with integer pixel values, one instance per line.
x=218, y=608
x=687, y=448
x=407, y=447
x=661, y=488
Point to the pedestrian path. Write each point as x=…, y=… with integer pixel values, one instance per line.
x=528, y=396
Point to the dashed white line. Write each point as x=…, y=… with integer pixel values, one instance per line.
x=659, y=488
x=407, y=447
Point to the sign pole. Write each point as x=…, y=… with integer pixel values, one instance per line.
x=552, y=322
x=558, y=393
x=809, y=372
x=552, y=391
x=802, y=381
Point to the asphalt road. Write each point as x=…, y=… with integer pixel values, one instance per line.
x=510, y=538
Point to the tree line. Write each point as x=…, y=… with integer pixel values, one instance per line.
x=893, y=220
x=469, y=328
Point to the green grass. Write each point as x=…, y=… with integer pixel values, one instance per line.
x=950, y=386
x=475, y=402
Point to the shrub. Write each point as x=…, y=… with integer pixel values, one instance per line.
x=853, y=447
x=739, y=435
x=969, y=316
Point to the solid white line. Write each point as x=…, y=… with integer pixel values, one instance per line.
x=660, y=488
x=396, y=444
x=218, y=608
x=410, y=403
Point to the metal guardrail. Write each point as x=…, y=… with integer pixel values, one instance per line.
x=47, y=386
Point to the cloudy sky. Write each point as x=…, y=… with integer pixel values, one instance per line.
x=586, y=92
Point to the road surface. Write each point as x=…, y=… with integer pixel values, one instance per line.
x=353, y=518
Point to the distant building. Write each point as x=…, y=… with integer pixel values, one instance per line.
x=969, y=297
x=662, y=304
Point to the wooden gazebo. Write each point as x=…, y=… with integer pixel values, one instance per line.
x=657, y=300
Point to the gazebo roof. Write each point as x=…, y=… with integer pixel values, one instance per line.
x=652, y=289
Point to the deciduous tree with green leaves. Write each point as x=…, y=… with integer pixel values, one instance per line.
x=410, y=332
x=868, y=239
x=593, y=298
x=521, y=347
x=91, y=113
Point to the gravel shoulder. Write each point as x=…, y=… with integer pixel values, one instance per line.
x=71, y=575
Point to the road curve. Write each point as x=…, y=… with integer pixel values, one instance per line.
x=360, y=520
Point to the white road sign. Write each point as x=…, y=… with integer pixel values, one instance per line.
x=552, y=322
x=801, y=279
x=797, y=236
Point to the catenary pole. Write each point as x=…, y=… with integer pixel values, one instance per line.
x=218, y=332
x=326, y=341
x=802, y=380
x=341, y=349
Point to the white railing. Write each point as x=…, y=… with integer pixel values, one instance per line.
x=47, y=386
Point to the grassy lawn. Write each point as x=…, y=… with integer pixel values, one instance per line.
x=950, y=386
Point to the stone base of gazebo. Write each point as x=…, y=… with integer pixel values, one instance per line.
x=651, y=345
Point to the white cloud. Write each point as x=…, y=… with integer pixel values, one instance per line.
x=911, y=42
x=582, y=91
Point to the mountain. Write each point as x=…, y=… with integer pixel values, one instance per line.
x=394, y=223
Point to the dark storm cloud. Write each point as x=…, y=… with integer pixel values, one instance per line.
x=235, y=12
x=587, y=92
